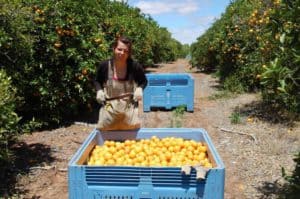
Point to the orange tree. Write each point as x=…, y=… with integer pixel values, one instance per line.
x=204, y=52
x=165, y=49
x=60, y=50
x=8, y=122
x=50, y=50
x=254, y=45
x=280, y=77
x=230, y=46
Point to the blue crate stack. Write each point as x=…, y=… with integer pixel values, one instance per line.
x=169, y=90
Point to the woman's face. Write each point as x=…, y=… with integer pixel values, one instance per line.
x=121, y=52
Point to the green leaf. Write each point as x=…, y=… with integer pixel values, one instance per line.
x=282, y=38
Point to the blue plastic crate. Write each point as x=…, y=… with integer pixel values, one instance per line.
x=169, y=90
x=120, y=182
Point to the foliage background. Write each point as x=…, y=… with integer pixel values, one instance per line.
x=48, y=55
x=255, y=46
x=50, y=49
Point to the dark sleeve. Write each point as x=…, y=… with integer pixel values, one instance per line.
x=102, y=73
x=139, y=75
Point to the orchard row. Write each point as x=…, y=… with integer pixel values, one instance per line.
x=255, y=45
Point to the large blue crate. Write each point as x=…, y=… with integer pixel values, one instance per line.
x=169, y=90
x=130, y=182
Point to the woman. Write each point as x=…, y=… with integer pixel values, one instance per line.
x=119, y=83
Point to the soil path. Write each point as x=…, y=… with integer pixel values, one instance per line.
x=253, y=151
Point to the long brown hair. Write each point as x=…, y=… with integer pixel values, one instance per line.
x=126, y=41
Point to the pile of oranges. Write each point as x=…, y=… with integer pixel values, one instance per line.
x=169, y=151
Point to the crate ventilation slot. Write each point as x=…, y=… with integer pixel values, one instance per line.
x=179, y=82
x=175, y=197
x=116, y=197
x=109, y=176
x=157, y=82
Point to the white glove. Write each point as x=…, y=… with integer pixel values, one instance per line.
x=186, y=169
x=138, y=94
x=100, y=96
x=201, y=172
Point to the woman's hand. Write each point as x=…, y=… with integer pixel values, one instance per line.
x=138, y=94
x=100, y=97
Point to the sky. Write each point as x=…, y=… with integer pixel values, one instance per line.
x=186, y=20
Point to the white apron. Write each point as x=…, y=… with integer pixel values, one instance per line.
x=121, y=113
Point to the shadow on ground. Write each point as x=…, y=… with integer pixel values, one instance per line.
x=26, y=157
x=270, y=189
x=88, y=116
x=208, y=71
x=268, y=113
x=36, y=155
x=277, y=190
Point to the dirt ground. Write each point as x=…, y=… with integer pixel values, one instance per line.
x=253, y=151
